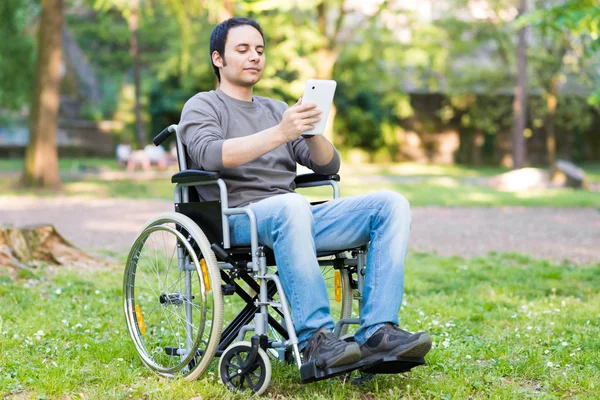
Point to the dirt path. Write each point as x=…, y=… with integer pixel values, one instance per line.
x=549, y=233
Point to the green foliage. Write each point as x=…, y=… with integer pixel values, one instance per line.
x=16, y=52
x=377, y=59
x=579, y=18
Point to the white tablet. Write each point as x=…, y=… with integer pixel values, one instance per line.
x=319, y=92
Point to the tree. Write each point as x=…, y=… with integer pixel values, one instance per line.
x=308, y=38
x=548, y=63
x=520, y=100
x=41, y=156
x=132, y=20
x=562, y=27
x=17, y=54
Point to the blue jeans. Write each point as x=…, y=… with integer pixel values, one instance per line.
x=296, y=230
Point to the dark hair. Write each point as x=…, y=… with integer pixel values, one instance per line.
x=218, y=37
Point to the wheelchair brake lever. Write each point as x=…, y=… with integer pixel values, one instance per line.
x=222, y=254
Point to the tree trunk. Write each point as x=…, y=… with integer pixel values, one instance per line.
x=23, y=248
x=520, y=100
x=550, y=124
x=41, y=155
x=327, y=59
x=135, y=60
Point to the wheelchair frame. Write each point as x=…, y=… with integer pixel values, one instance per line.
x=255, y=274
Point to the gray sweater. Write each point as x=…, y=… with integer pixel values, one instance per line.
x=209, y=118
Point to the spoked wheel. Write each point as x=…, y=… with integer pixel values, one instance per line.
x=339, y=290
x=172, y=297
x=236, y=373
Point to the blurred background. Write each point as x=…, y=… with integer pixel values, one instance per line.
x=502, y=83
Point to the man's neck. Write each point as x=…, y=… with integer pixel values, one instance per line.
x=237, y=92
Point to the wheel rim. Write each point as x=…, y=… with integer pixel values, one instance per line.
x=159, y=297
x=338, y=291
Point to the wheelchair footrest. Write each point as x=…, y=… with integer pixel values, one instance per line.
x=309, y=372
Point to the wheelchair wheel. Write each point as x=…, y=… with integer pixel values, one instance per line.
x=172, y=297
x=340, y=293
x=236, y=375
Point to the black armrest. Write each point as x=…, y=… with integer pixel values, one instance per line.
x=308, y=178
x=194, y=175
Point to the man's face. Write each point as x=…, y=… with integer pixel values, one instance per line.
x=244, y=56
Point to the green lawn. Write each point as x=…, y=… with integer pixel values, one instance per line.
x=64, y=164
x=504, y=326
x=423, y=185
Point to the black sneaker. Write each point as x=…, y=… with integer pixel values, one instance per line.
x=391, y=341
x=329, y=351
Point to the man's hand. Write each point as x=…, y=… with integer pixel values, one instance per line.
x=298, y=119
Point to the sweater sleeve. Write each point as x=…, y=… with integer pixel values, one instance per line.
x=201, y=133
x=302, y=154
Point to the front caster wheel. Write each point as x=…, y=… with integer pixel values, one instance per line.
x=236, y=373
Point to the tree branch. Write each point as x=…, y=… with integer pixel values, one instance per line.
x=338, y=25
x=322, y=18
x=342, y=41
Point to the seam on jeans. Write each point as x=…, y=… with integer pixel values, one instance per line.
x=376, y=270
x=293, y=281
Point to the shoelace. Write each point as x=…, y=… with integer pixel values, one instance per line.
x=316, y=342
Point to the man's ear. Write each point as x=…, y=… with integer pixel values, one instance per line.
x=217, y=60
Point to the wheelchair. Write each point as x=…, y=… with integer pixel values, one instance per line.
x=189, y=296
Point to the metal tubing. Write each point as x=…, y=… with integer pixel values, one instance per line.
x=182, y=163
x=333, y=184
x=289, y=325
x=189, y=327
x=180, y=149
x=285, y=308
x=261, y=322
x=253, y=233
x=224, y=216
x=360, y=270
x=345, y=321
x=177, y=194
x=242, y=333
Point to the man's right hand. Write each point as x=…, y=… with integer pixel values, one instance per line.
x=298, y=119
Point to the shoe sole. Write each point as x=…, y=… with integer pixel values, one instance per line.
x=350, y=355
x=416, y=349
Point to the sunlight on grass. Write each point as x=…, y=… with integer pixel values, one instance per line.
x=503, y=326
x=65, y=164
x=445, y=182
x=434, y=188
x=86, y=188
x=415, y=169
x=484, y=198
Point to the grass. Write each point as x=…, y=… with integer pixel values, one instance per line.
x=504, y=326
x=447, y=191
x=423, y=185
x=64, y=164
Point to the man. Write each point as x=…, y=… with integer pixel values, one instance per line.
x=255, y=143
